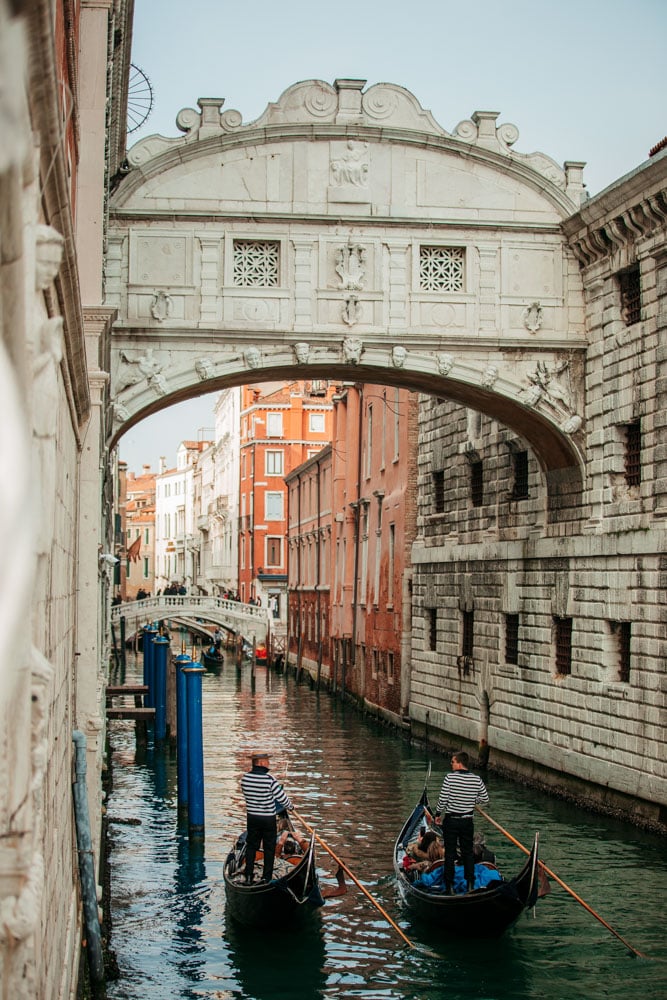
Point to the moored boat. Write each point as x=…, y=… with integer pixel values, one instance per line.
x=212, y=657
x=486, y=912
x=292, y=894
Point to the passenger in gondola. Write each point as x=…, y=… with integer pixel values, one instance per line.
x=289, y=842
x=425, y=854
x=262, y=794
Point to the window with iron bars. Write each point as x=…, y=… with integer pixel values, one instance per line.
x=439, y=491
x=520, y=486
x=511, y=638
x=633, y=451
x=563, y=643
x=629, y=283
x=432, y=624
x=623, y=633
x=477, y=483
x=467, y=633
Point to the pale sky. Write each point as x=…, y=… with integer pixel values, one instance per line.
x=582, y=80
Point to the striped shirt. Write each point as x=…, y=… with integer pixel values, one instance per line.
x=262, y=793
x=460, y=792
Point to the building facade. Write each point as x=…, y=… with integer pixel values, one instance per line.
x=139, y=548
x=176, y=549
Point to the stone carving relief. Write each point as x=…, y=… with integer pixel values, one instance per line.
x=350, y=266
x=352, y=350
x=532, y=317
x=490, y=377
x=398, y=356
x=252, y=357
x=120, y=413
x=445, y=363
x=351, y=311
x=204, y=368
x=135, y=370
x=548, y=385
x=301, y=351
x=352, y=167
x=45, y=389
x=161, y=306
x=48, y=255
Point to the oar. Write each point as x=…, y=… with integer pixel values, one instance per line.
x=355, y=880
x=553, y=875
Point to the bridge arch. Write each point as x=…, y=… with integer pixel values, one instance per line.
x=345, y=235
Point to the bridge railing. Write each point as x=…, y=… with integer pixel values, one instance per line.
x=244, y=618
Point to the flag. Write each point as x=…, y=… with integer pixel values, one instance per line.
x=133, y=551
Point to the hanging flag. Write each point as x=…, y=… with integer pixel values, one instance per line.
x=133, y=551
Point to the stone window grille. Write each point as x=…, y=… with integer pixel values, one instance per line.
x=432, y=622
x=629, y=283
x=520, y=487
x=633, y=450
x=563, y=643
x=623, y=633
x=256, y=263
x=512, y=638
x=441, y=269
x=477, y=483
x=439, y=491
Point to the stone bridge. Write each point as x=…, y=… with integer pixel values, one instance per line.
x=345, y=235
x=245, y=619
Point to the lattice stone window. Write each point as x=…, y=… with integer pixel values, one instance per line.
x=256, y=263
x=441, y=269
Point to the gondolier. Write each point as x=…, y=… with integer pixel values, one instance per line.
x=461, y=791
x=263, y=794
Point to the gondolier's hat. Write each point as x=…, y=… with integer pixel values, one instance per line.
x=256, y=757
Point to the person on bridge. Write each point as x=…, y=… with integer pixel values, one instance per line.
x=461, y=791
x=262, y=794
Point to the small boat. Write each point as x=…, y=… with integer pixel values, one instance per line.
x=212, y=657
x=260, y=653
x=486, y=912
x=291, y=895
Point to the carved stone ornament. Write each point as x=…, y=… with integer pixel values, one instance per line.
x=48, y=255
x=351, y=311
x=161, y=306
x=252, y=357
x=445, y=363
x=546, y=384
x=204, y=368
x=398, y=356
x=351, y=266
x=490, y=377
x=301, y=351
x=352, y=167
x=120, y=413
x=352, y=350
x=532, y=317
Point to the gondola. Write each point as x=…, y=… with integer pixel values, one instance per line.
x=212, y=657
x=486, y=912
x=291, y=896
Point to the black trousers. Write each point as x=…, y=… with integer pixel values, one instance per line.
x=458, y=832
x=261, y=831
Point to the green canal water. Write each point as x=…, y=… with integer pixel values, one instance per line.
x=355, y=781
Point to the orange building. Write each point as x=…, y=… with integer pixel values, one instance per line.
x=282, y=424
x=139, y=534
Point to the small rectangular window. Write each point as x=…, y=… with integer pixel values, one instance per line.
x=432, y=623
x=390, y=666
x=274, y=551
x=438, y=491
x=273, y=463
x=256, y=263
x=633, y=453
x=477, y=483
x=316, y=423
x=563, y=644
x=274, y=506
x=467, y=633
x=629, y=283
x=441, y=269
x=511, y=638
x=520, y=486
x=274, y=425
x=623, y=633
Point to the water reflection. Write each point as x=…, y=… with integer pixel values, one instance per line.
x=355, y=781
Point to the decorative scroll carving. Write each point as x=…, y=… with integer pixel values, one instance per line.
x=532, y=317
x=352, y=350
x=351, y=266
x=161, y=306
x=351, y=311
x=352, y=167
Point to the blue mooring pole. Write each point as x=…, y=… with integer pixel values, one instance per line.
x=149, y=680
x=193, y=676
x=160, y=647
x=180, y=663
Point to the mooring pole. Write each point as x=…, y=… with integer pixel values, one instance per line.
x=160, y=649
x=193, y=680
x=149, y=680
x=181, y=662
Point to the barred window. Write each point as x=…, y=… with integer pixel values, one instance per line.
x=623, y=633
x=441, y=269
x=511, y=638
x=467, y=633
x=633, y=453
x=439, y=491
x=477, y=483
x=520, y=487
x=256, y=263
x=432, y=614
x=629, y=283
x=563, y=643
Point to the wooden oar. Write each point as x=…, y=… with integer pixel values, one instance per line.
x=553, y=875
x=355, y=880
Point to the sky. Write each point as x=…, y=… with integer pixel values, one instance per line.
x=582, y=80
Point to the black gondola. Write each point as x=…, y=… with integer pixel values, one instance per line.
x=486, y=912
x=212, y=657
x=292, y=895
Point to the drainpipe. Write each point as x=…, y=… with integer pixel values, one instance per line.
x=86, y=866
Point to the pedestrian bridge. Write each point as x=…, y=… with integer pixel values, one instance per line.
x=345, y=235
x=245, y=619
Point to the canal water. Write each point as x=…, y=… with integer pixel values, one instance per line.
x=356, y=781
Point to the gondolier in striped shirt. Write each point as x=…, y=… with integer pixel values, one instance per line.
x=461, y=791
x=262, y=794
